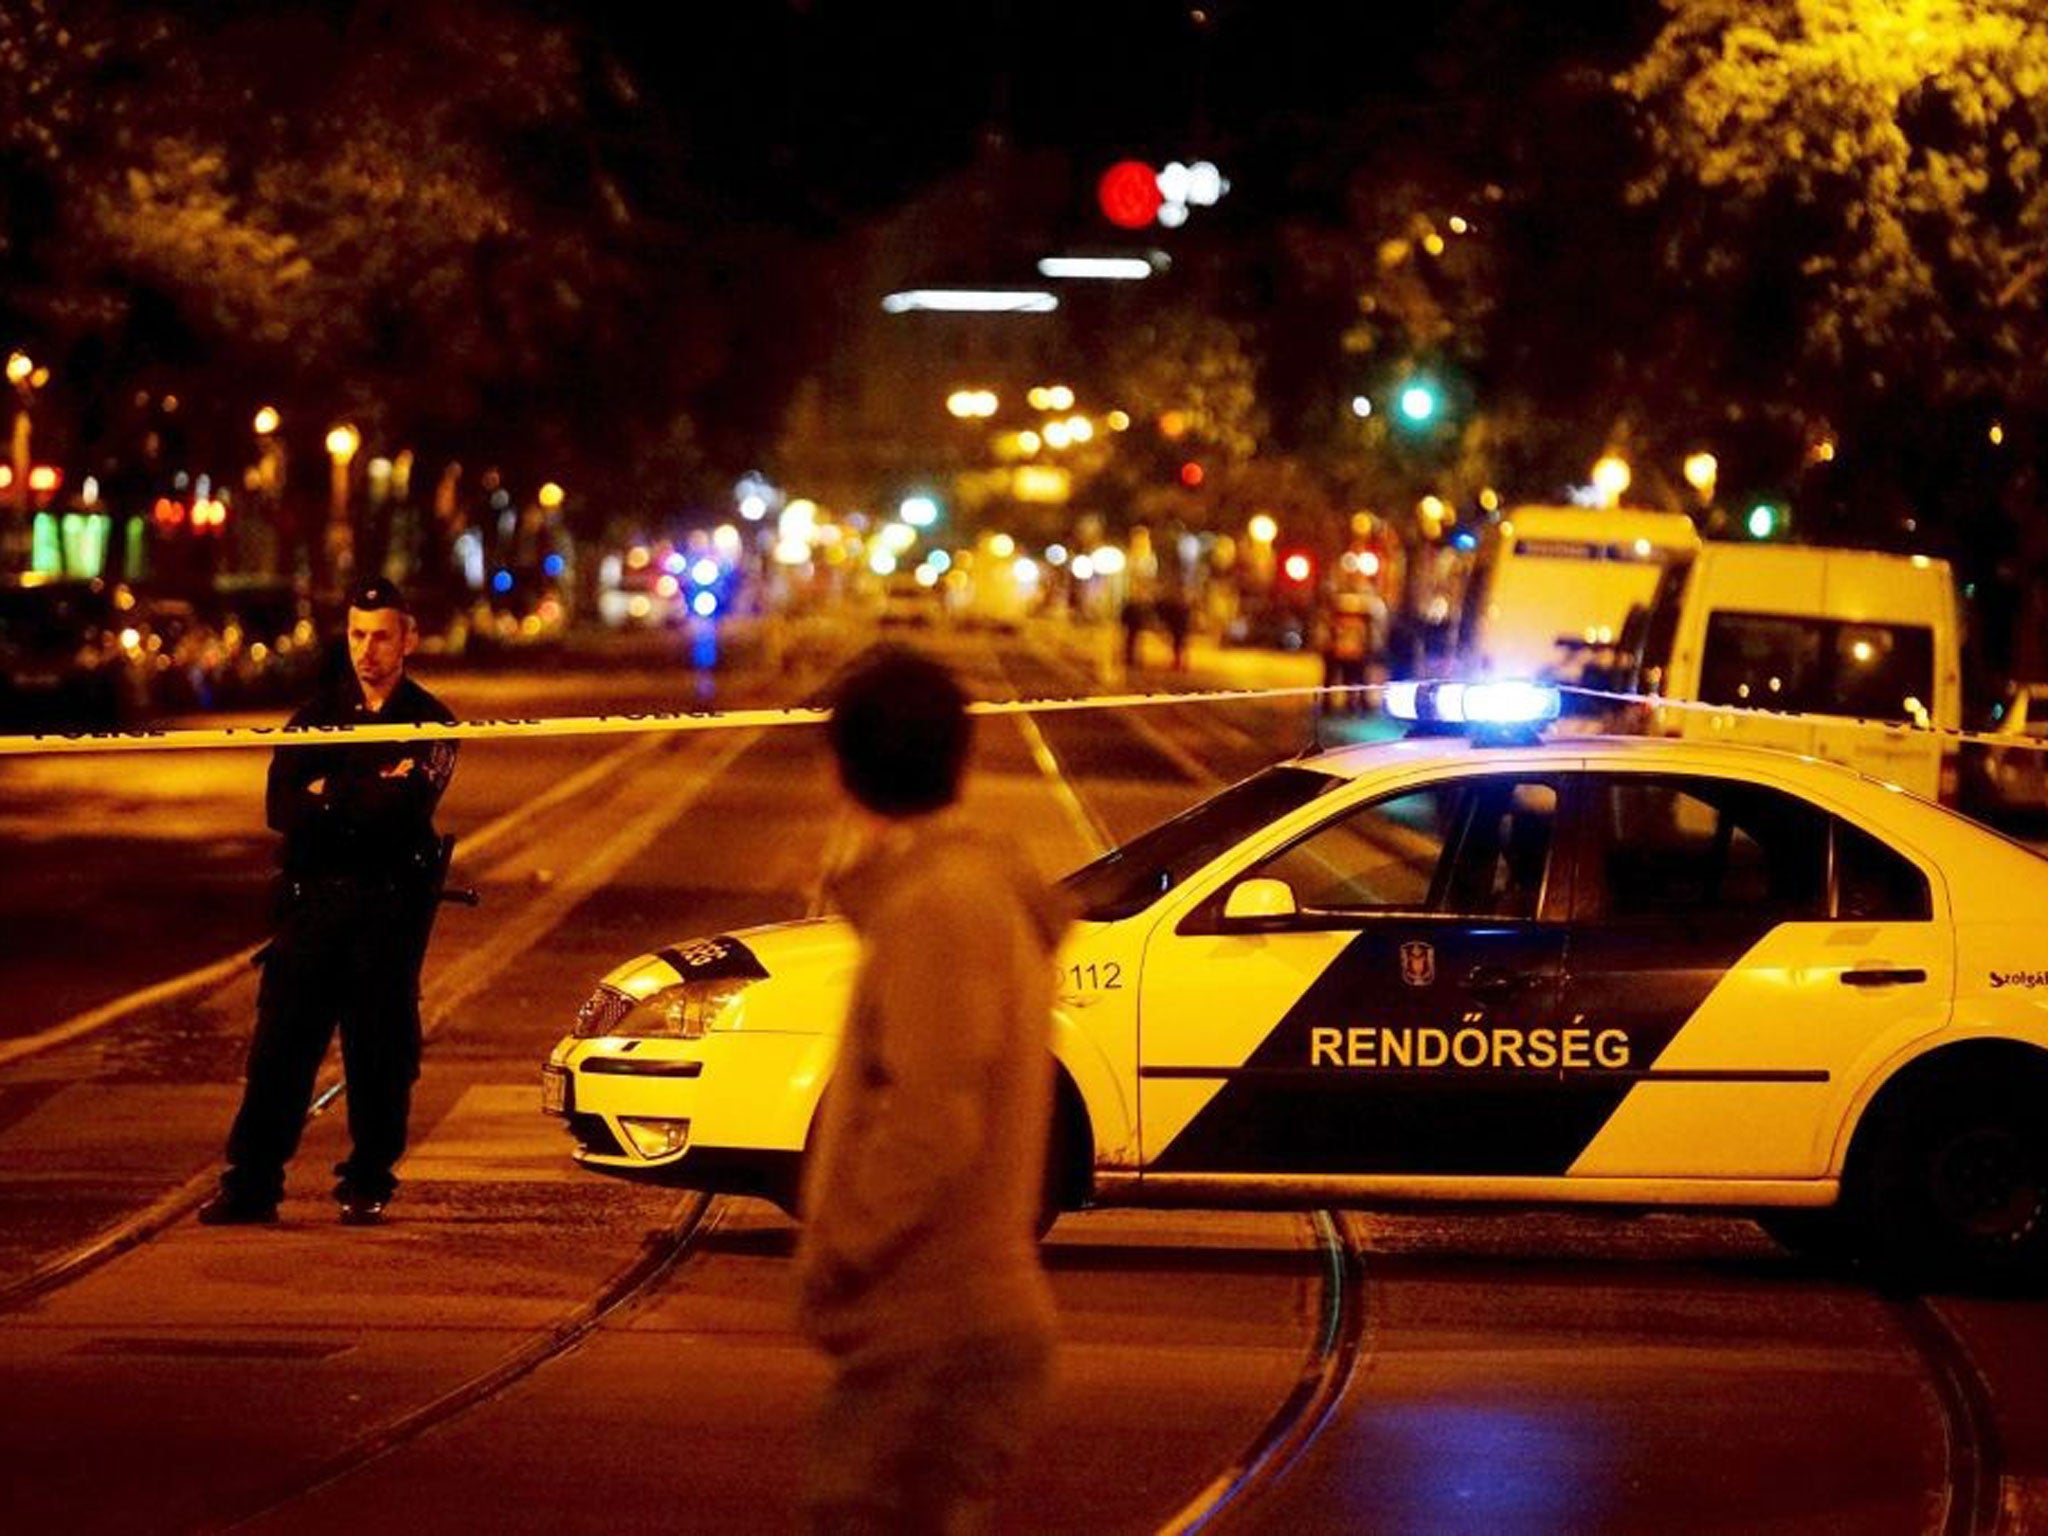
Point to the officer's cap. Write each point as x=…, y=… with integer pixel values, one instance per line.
x=374, y=592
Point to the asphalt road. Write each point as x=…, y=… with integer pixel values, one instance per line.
x=526, y=1347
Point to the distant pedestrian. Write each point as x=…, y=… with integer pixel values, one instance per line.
x=1174, y=618
x=361, y=874
x=1137, y=617
x=1345, y=630
x=918, y=1265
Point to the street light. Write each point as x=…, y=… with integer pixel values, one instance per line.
x=21, y=373
x=1611, y=477
x=1702, y=470
x=266, y=421
x=342, y=442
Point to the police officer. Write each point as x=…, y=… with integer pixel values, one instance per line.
x=361, y=873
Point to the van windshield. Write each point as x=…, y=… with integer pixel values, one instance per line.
x=1658, y=628
x=1819, y=666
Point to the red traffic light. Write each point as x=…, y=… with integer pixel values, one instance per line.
x=1191, y=474
x=1129, y=194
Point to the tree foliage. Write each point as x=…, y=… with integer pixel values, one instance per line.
x=1890, y=157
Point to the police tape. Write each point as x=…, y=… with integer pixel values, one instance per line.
x=637, y=722
x=233, y=737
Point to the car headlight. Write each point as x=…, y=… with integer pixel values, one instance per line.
x=684, y=1011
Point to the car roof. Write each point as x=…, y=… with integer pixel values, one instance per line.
x=1637, y=751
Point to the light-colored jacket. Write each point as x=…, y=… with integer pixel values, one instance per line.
x=922, y=1190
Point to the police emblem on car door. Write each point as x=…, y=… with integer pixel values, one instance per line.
x=1391, y=1007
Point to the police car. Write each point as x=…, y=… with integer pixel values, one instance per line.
x=1618, y=971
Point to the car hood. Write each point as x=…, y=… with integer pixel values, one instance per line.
x=803, y=971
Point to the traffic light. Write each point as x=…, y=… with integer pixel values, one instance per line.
x=1419, y=402
x=1765, y=520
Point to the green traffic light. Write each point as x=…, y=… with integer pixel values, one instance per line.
x=1418, y=403
x=1763, y=520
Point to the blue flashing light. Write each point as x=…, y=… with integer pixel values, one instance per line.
x=1480, y=707
x=1465, y=539
x=675, y=563
x=501, y=582
x=706, y=572
x=552, y=565
x=704, y=604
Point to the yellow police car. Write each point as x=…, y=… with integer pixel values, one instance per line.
x=1647, y=973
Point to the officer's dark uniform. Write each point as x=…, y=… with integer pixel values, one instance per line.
x=360, y=879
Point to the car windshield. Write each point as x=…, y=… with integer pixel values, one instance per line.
x=1128, y=879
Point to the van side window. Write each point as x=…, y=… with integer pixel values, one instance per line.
x=1818, y=666
x=1874, y=884
x=1691, y=848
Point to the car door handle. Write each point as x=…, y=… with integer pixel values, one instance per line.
x=1884, y=976
x=1490, y=981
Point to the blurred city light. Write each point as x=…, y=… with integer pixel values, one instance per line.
x=1129, y=194
x=343, y=441
x=1115, y=269
x=1611, y=476
x=918, y=511
x=1262, y=529
x=1418, y=403
x=551, y=495
x=1701, y=472
x=266, y=421
x=991, y=301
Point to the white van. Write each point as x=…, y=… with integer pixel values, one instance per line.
x=1552, y=587
x=1861, y=650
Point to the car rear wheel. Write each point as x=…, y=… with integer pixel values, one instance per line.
x=1957, y=1187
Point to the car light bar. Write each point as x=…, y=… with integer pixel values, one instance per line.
x=1480, y=706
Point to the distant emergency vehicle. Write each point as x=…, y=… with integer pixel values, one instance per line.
x=1553, y=586
x=1604, y=970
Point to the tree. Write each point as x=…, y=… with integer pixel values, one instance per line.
x=1893, y=153
x=1856, y=191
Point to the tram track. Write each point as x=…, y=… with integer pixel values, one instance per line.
x=1974, y=1502
x=1340, y=1333
x=1307, y=1410
x=635, y=1283
x=453, y=984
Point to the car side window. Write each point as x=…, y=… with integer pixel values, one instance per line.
x=1682, y=847
x=1476, y=847
x=1873, y=883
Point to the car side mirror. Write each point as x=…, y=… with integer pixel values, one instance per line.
x=1256, y=902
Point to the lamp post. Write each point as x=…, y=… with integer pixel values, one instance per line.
x=342, y=443
x=21, y=373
